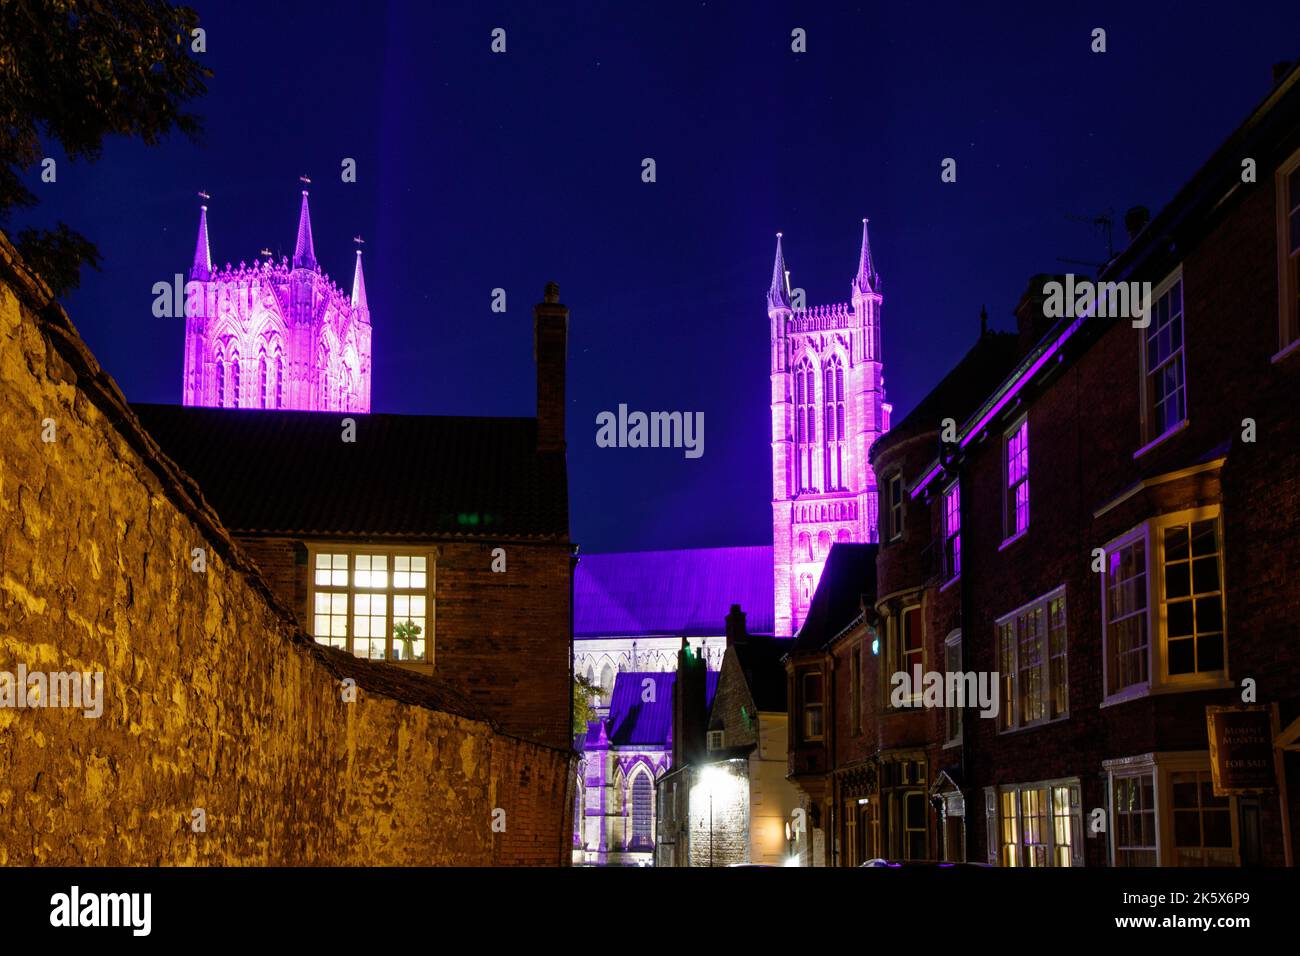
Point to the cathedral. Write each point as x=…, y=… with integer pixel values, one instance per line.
x=275, y=335
x=634, y=611
x=828, y=406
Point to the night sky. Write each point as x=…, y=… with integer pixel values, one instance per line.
x=478, y=171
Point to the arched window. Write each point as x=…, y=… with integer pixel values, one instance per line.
x=805, y=590
x=804, y=552
x=805, y=389
x=823, y=543
x=221, y=383
x=606, y=683
x=279, y=381
x=234, y=379
x=642, y=808
x=263, y=384
x=833, y=417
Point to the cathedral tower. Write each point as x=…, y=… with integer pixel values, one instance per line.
x=275, y=335
x=828, y=406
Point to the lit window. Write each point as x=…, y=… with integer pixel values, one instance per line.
x=1016, y=502
x=1162, y=363
x=1165, y=621
x=1032, y=656
x=1038, y=824
x=279, y=381
x=234, y=380
x=221, y=383
x=359, y=605
x=952, y=531
x=263, y=390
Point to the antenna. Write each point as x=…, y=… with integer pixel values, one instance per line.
x=1106, y=221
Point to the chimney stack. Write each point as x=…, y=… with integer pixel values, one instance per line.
x=1135, y=220
x=550, y=345
x=736, y=631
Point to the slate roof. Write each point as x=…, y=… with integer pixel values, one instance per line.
x=682, y=593
x=634, y=722
x=850, y=572
x=290, y=472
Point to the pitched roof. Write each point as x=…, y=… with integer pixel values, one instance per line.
x=289, y=472
x=636, y=722
x=850, y=572
x=760, y=657
x=958, y=393
x=680, y=593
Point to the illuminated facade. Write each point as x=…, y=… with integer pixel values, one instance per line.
x=275, y=335
x=828, y=406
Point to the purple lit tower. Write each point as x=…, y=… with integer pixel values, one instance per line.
x=828, y=406
x=275, y=335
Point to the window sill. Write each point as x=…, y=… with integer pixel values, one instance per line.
x=952, y=744
x=1012, y=731
x=1013, y=539
x=1160, y=690
x=950, y=582
x=1169, y=433
x=1288, y=350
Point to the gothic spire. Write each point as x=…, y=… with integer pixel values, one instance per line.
x=202, y=267
x=778, y=294
x=867, y=280
x=359, y=287
x=304, y=254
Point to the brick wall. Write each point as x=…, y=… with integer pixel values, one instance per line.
x=500, y=638
x=212, y=698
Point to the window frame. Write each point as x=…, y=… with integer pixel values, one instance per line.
x=953, y=716
x=1160, y=767
x=1288, y=263
x=1158, y=678
x=998, y=827
x=1014, y=722
x=951, y=535
x=895, y=654
x=1146, y=403
x=807, y=707
x=430, y=554
x=896, y=510
x=1009, y=531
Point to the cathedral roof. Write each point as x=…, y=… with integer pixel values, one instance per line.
x=681, y=593
x=289, y=472
x=634, y=721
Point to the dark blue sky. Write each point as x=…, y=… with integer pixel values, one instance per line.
x=478, y=170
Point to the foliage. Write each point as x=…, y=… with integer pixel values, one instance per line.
x=583, y=711
x=74, y=72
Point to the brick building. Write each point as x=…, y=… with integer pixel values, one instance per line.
x=726, y=799
x=436, y=543
x=1127, y=513
x=1101, y=514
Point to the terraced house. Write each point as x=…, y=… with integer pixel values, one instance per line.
x=1104, y=513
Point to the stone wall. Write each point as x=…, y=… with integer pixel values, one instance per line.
x=213, y=700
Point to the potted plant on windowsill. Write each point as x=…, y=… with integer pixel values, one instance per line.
x=408, y=632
